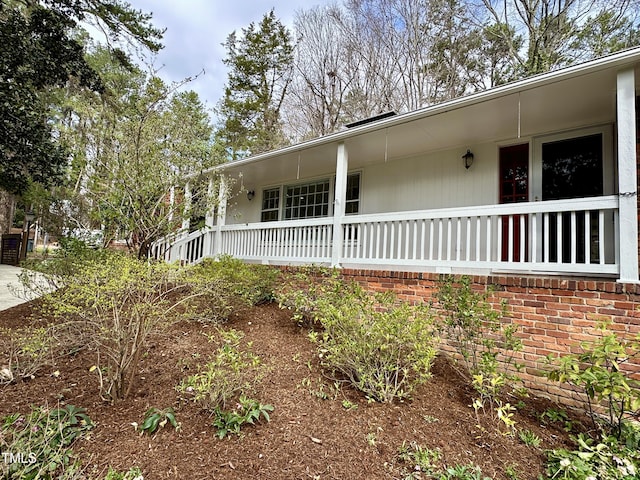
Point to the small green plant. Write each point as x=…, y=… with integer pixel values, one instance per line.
x=421, y=459
x=349, y=405
x=553, y=415
x=229, y=373
x=42, y=441
x=134, y=473
x=155, y=418
x=610, y=392
x=462, y=472
x=529, y=438
x=248, y=411
x=372, y=439
x=512, y=472
x=430, y=419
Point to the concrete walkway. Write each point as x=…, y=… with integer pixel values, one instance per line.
x=9, y=275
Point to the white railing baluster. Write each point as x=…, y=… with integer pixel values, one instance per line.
x=559, y=256
x=449, y=239
x=478, y=236
x=547, y=238
x=587, y=237
x=489, y=239
x=431, y=235
x=574, y=237
x=523, y=238
x=534, y=237
x=458, y=240
x=601, y=239
x=467, y=255
x=499, y=235
x=511, y=239
x=422, y=238
x=440, y=243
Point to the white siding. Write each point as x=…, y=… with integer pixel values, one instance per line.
x=436, y=180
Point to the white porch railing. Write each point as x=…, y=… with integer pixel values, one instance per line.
x=188, y=249
x=307, y=241
x=577, y=236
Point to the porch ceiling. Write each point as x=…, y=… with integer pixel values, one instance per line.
x=535, y=109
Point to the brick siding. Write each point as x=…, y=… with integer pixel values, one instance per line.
x=554, y=314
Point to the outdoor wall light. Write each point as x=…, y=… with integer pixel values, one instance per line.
x=468, y=159
x=251, y=194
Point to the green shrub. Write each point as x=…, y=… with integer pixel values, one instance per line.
x=40, y=277
x=27, y=351
x=119, y=302
x=610, y=392
x=306, y=289
x=382, y=346
x=41, y=442
x=228, y=374
x=486, y=347
x=253, y=283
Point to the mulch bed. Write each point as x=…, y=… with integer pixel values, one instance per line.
x=308, y=436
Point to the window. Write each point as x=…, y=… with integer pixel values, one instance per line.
x=352, y=205
x=307, y=200
x=572, y=168
x=270, y=205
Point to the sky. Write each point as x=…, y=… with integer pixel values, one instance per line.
x=196, y=30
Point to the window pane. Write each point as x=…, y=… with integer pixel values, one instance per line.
x=308, y=200
x=270, y=205
x=572, y=168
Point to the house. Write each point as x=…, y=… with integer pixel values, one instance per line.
x=530, y=186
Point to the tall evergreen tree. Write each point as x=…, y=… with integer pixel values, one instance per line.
x=260, y=63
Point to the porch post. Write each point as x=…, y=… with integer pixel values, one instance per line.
x=340, y=194
x=186, y=215
x=222, y=215
x=209, y=219
x=627, y=176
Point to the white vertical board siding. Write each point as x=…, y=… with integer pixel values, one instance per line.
x=436, y=180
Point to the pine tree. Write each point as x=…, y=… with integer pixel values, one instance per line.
x=260, y=62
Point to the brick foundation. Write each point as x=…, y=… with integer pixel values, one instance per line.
x=554, y=314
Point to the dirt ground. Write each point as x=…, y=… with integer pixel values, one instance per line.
x=308, y=437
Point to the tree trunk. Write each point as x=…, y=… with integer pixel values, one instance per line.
x=7, y=210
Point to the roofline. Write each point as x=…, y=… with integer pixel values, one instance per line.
x=614, y=60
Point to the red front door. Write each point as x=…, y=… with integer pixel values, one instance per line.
x=514, y=187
